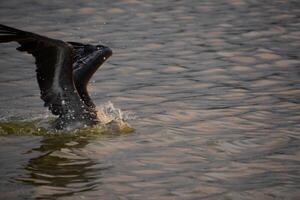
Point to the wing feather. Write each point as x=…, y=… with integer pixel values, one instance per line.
x=54, y=59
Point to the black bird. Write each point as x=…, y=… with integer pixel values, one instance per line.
x=63, y=72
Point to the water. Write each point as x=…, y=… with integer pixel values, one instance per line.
x=214, y=85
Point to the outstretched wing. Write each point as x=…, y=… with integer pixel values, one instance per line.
x=87, y=59
x=54, y=68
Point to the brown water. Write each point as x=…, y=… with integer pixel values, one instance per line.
x=214, y=85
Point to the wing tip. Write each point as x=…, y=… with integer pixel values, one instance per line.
x=9, y=34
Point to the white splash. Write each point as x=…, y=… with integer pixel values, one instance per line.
x=108, y=113
x=114, y=119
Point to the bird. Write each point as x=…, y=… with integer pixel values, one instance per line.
x=63, y=71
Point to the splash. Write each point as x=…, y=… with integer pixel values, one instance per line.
x=24, y=127
x=114, y=121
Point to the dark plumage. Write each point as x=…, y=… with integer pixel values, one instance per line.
x=63, y=72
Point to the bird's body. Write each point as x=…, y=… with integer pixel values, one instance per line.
x=63, y=72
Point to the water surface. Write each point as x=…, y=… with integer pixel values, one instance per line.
x=214, y=85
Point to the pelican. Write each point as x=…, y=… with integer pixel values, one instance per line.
x=63, y=70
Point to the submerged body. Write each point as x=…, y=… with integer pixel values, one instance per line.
x=63, y=72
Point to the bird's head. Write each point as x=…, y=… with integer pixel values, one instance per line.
x=104, y=51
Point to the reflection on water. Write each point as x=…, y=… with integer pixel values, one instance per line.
x=58, y=171
x=215, y=86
